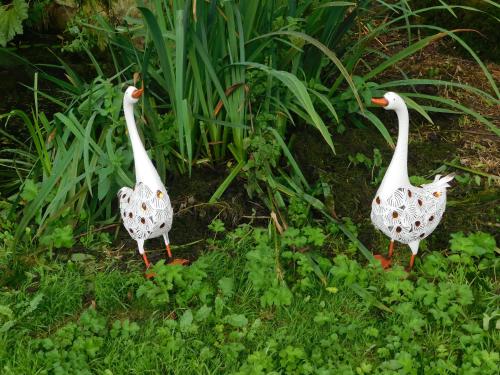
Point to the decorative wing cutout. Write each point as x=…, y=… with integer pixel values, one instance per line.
x=411, y=213
x=145, y=214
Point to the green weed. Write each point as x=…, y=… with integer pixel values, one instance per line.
x=260, y=302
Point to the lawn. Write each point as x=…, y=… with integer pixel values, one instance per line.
x=258, y=117
x=258, y=303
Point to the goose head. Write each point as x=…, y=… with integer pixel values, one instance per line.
x=391, y=101
x=132, y=95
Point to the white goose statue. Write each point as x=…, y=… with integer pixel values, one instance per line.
x=145, y=210
x=403, y=212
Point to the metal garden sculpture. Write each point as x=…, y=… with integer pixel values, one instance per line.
x=146, y=210
x=403, y=212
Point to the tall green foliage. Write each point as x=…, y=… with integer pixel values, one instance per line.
x=207, y=64
x=228, y=79
x=218, y=65
x=80, y=156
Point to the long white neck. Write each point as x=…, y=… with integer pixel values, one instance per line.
x=144, y=169
x=397, y=172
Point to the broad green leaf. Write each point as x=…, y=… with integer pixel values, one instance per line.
x=30, y=190
x=11, y=20
x=203, y=313
x=236, y=320
x=186, y=320
x=226, y=285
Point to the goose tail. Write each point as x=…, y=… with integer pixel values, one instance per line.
x=444, y=181
x=441, y=181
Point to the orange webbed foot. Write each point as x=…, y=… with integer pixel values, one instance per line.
x=385, y=262
x=179, y=261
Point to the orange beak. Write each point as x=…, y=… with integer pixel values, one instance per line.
x=381, y=102
x=137, y=93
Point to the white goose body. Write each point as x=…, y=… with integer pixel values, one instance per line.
x=145, y=210
x=408, y=214
x=404, y=212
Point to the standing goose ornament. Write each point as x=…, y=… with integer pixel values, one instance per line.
x=145, y=210
x=404, y=212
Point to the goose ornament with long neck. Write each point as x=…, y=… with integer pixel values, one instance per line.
x=403, y=212
x=145, y=210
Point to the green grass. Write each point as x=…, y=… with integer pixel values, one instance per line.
x=256, y=303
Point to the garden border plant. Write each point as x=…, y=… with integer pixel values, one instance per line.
x=221, y=78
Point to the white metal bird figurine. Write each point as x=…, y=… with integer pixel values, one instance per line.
x=146, y=210
x=404, y=212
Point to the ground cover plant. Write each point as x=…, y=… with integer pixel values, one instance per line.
x=258, y=117
x=257, y=302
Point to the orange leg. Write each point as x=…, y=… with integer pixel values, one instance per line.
x=386, y=262
x=412, y=260
x=147, y=274
x=146, y=261
x=181, y=262
x=391, y=249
